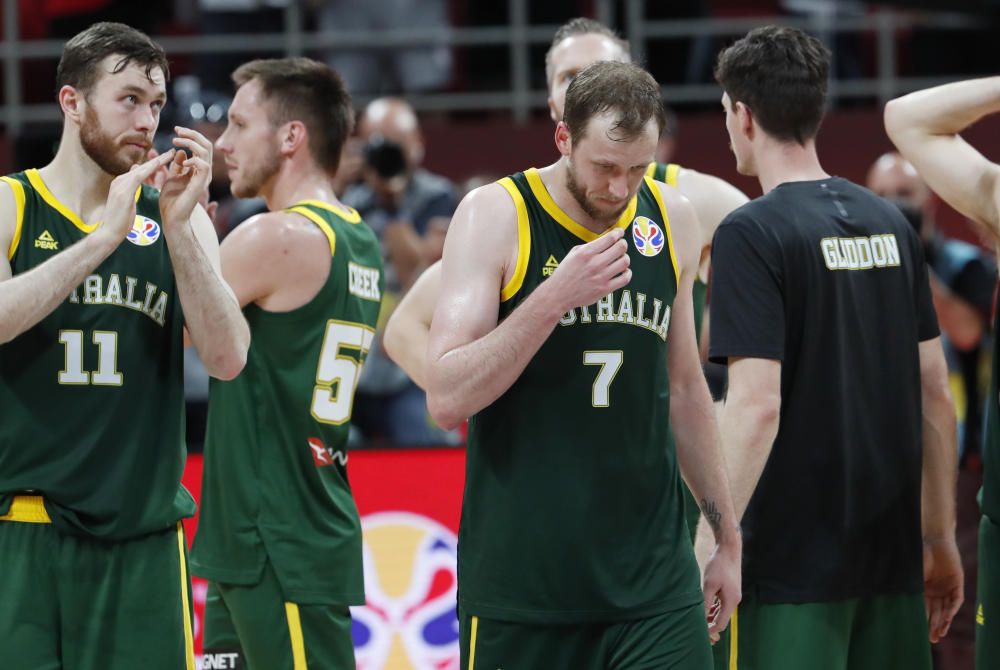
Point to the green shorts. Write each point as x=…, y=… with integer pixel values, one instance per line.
x=77, y=602
x=988, y=596
x=255, y=628
x=879, y=633
x=672, y=641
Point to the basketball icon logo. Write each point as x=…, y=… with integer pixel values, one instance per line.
x=648, y=236
x=144, y=232
x=409, y=622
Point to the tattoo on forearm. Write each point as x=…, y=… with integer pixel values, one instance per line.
x=712, y=514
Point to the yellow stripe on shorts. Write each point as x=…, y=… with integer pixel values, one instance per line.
x=295, y=632
x=472, y=643
x=185, y=603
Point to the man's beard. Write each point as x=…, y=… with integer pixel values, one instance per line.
x=252, y=178
x=589, y=208
x=102, y=148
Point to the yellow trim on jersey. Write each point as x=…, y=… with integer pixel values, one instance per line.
x=553, y=210
x=733, y=641
x=185, y=603
x=27, y=509
x=295, y=632
x=673, y=169
x=18, y=189
x=666, y=224
x=348, y=214
x=651, y=170
x=318, y=220
x=53, y=202
x=523, y=241
x=472, y=643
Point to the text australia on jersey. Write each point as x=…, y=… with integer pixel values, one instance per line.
x=635, y=311
x=97, y=291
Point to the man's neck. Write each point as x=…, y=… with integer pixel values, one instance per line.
x=76, y=180
x=295, y=183
x=782, y=162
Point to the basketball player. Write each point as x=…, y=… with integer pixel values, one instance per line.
x=577, y=44
x=279, y=536
x=553, y=336
x=925, y=126
x=838, y=409
x=101, y=276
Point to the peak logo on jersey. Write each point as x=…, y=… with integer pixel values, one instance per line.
x=980, y=619
x=551, y=266
x=144, y=232
x=648, y=236
x=322, y=456
x=409, y=621
x=46, y=241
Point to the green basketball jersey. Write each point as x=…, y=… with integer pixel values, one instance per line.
x=275, y=482
x=93, y=394
x=573, y=508
x=991, y=441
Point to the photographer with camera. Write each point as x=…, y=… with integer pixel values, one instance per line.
x=409, y=209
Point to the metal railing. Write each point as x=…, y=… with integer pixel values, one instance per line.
x=518, y=98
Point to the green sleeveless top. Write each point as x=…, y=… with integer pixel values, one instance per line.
x=667, y=173
x=93, y=394
x=275, y=482
x=573, y=508
x=991, y=440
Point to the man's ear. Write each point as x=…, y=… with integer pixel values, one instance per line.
x=72, y=101
x=563, y=140
x=293, y=136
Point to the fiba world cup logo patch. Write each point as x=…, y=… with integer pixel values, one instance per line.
x=144, y=232
x=411, y=579
x=648, y=236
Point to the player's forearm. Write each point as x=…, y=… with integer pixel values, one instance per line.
x=943, y=110
x=31, y=296
x=466, y=379
x=748, y=426
x=939, y=463
x=211, y=313
x=406, y=340
x=699, y=455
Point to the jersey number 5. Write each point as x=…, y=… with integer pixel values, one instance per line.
x=334, y=405
x=610, y=362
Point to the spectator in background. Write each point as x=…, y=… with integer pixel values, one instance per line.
x=962, y=280
x=409, y=209
x=383, y=69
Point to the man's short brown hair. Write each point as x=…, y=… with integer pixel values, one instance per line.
x=84, y=52
x=623, y=89
x=780, y=73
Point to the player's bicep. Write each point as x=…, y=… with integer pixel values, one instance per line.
x=958, y=173
x=9, y=221
x=682, y=355
x=482, y=233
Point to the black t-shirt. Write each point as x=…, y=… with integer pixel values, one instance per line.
x=831, y=280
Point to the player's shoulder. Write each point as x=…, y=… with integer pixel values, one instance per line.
x=268, y=232
x=497, y=201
